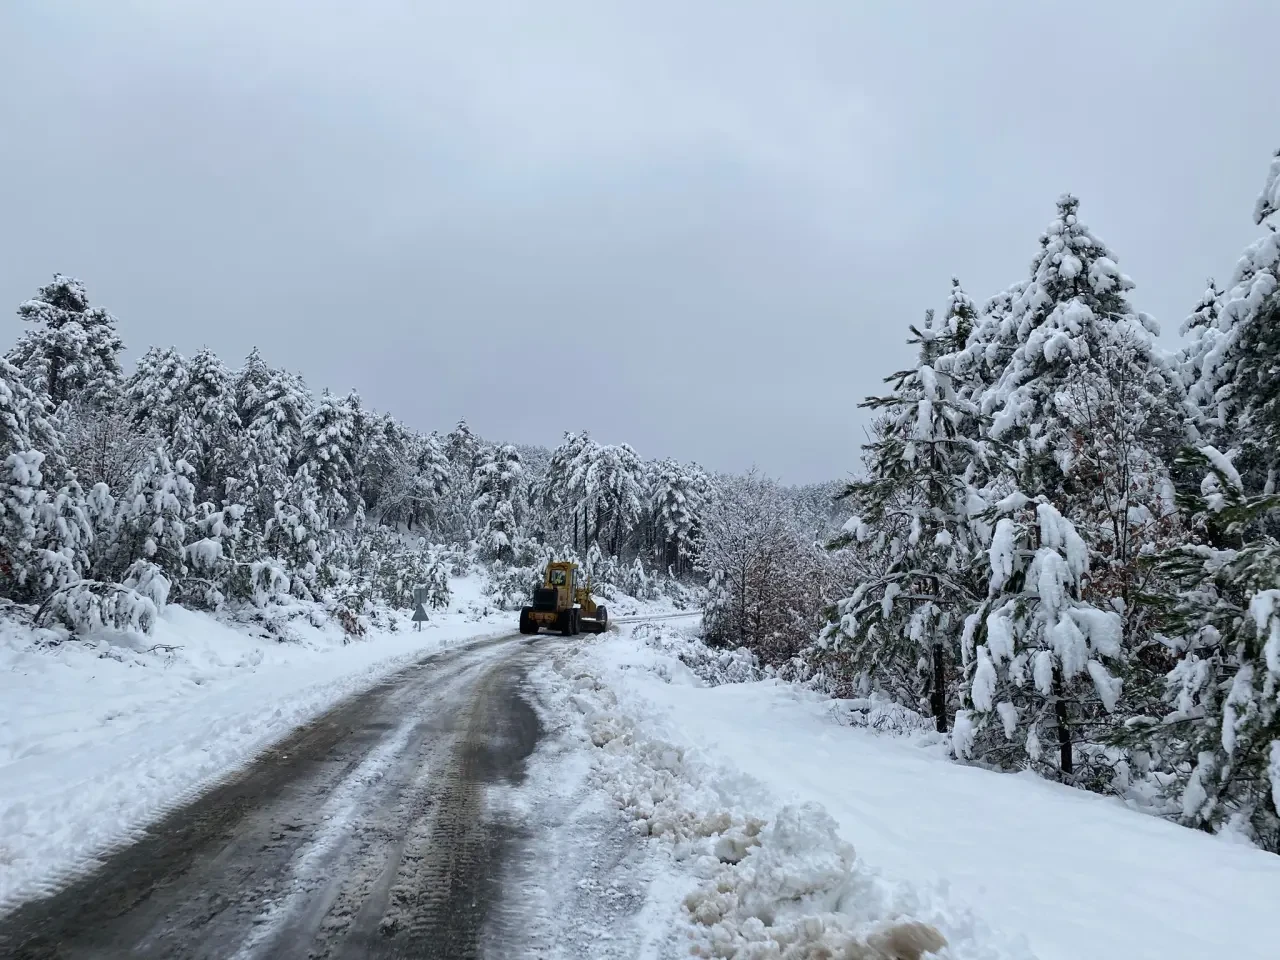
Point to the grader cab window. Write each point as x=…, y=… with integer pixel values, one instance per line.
x=557, y=578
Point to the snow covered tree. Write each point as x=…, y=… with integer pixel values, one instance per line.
x=155, y=515
x=1203, y=317
x=219, y=563
x=437, y=582
x=1217, y=740
x=102, y=444
x=271, y=406
x=1036, y=651
x=1073, y=321
x=1089, y=415
x=383, y=450
x=463, y=450
x=497, y=482
x=72, y=351
x=416, y=484
x=762, y=592
x=919, y=520
x=562, y=492
x=295, y=533
x=44, y=533
x=614, y=479
x=156, y=397
x=216, y=452
x=1235, y=355
x=677, y=495
x=328, y=442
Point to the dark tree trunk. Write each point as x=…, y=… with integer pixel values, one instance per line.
x=1064, y=727
x=938, y=696
x=55, y=373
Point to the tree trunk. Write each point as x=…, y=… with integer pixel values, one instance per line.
x=1064, y=729
x=55, y=371
x=938, y=696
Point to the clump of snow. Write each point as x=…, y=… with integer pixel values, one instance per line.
x=1223, y=465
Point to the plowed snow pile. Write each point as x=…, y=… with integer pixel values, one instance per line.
x=772, y=881
x=755, y=785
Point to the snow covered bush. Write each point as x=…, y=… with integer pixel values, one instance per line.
x=712, y=665
x=89, y=606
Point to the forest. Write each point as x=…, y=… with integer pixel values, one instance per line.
x=1060, y=549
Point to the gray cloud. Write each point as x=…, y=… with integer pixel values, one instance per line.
x=701, y=228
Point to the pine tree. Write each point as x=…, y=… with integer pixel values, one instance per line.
x=1037, y=650
x=901, y=627
x=216, y=453
x=620, y=474
x=72, y=351
x=562, y=492
x=1236, y=356
x=1072, y=320
x=677, y=496
x=463, y=450
x=44, y=533
x=156, y=397
x=328, y=441
x=497, y=483
x=1217, y=741
x=1091, y=416
x=296, y=533
x=156, y=513
x=271, y=405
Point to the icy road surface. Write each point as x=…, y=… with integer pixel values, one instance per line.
x=370, y=832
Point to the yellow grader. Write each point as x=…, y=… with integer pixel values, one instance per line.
x=560, y=604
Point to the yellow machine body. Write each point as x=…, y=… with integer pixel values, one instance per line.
x=561, y=604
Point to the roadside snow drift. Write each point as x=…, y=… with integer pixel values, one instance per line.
x=100, y=738
x=1051, y=872
x=774, y=880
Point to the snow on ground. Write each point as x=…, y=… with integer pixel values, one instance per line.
x=1004, y=866
x=761, y=877
x=98, y=739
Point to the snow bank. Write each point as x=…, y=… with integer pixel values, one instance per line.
x=774, y=879
x=1058, y=872
x=99, y=738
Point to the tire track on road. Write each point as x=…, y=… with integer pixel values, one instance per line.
x=203, y=875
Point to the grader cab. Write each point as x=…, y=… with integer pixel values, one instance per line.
x=560, y=604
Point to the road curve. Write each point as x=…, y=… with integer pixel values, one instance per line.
x=362, y=835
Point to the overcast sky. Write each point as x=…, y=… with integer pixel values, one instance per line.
x=700, y=227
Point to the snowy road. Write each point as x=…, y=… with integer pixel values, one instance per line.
x=364, y=834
